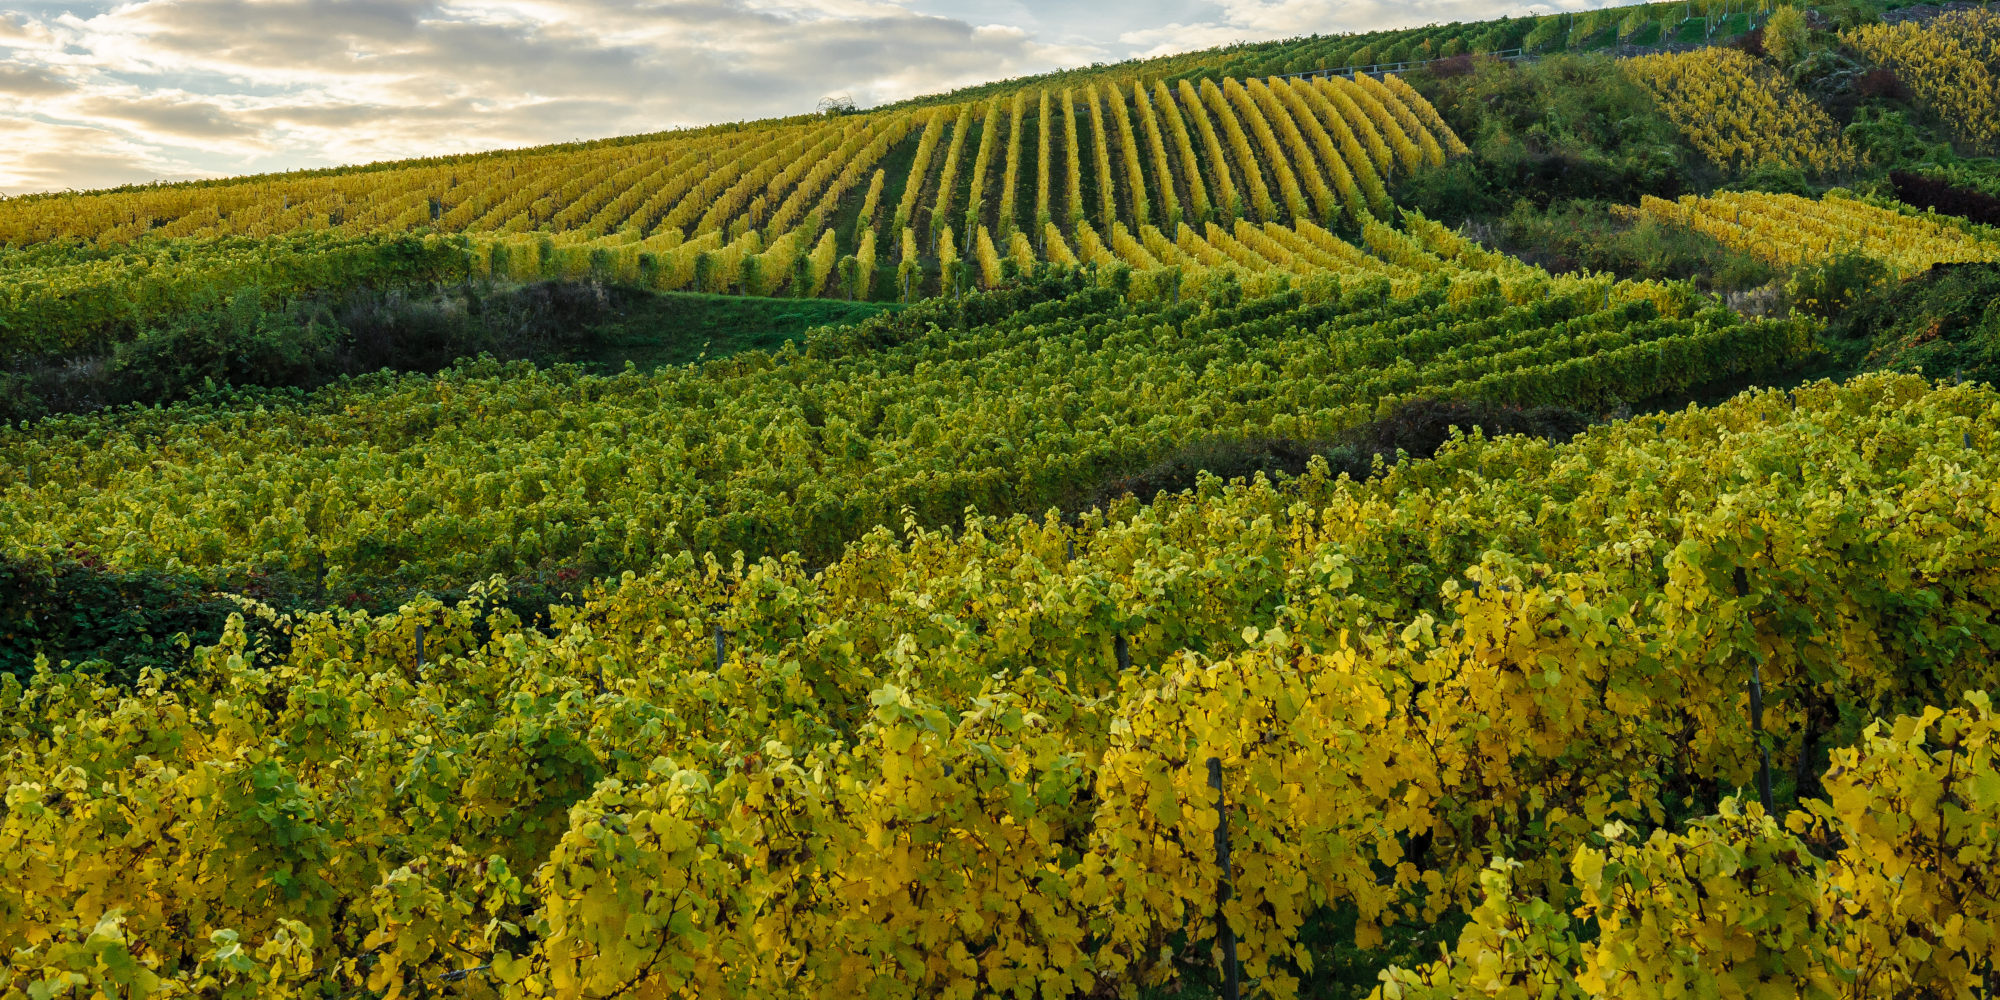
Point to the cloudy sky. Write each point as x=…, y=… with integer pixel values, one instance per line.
x=95, y=94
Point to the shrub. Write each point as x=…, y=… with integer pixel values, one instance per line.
x=1751, y=42
x=308, y=342
x=1881, y=83
x=1828, y=288
x=1888, y=137
x=1414, y=429
x=1568, y=126
x=1586, y=234
x=72, y=608
x=1417, y=428
x=1945, y=322
x=1929, y=192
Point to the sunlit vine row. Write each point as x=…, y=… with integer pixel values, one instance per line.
x=1789, y=230
x=1740, y=113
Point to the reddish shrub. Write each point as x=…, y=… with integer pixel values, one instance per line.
x=1929, y=192
x=1881, y=82
x=1751, y=41
x=1451, y=66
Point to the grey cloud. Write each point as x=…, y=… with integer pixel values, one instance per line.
x=276, y=34
x=350, y=116
x=164, y=116
x=32, y=81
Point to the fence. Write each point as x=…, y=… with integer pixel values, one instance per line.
x=1377, y=69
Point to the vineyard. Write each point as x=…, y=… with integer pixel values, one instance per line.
x=452, y=479
x=1789, y=230
x=1741, y=114
x=1953, y=64
x=1245, y=530
x=925, y=770
x=764, y=211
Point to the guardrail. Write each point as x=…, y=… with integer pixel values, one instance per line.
x=1377, y=69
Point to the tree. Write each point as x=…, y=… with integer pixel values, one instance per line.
x=1786, y=36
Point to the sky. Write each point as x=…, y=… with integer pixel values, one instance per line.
x=94, y=94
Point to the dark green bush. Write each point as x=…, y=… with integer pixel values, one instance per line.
x=72, y=608
x=1828, y=288
x=307, y=342
x=1945, y=322
x=1415, y=429
x=1569, y=126
x=1419, y=427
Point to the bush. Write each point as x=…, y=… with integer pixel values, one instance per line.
x=1774, y=178
x=1881, y=83
x=1830, y=287
x=1417, y=428
x=72, y=608
x=1414, y=429
x=1889, y=137
x=1585, y=234
x=307, y=342
x=1945, y=322
x=1751, y=42
x=1942, y=196
x=1568, y=126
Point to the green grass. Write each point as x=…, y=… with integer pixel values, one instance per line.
x=675, y=328
x=1689, y=32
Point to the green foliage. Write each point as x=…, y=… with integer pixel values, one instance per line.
x=1946, y=323
x=1888, y=137
x=677, y=328
x=1577, y=235
x=1548, y=34
x=307, y=342
x=1569, y=126
x=74, y=609
x=311, y=341
x=1417, y=428
x=1982, y=175
x=1774, y=178
x=1828, y=288
x=1413, y=429
x=67, y=297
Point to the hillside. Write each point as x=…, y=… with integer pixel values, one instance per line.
x=1483, y=510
